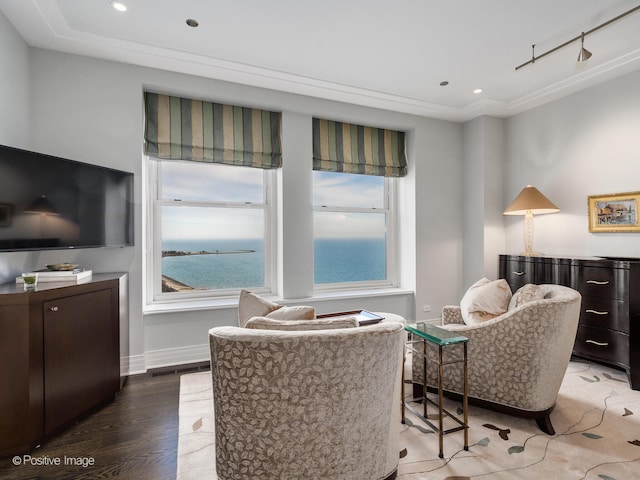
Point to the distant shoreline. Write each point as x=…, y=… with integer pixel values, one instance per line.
x=182, y=253
x=171, y=285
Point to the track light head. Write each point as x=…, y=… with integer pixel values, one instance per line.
x=584, y=53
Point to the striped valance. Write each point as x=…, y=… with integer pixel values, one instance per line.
x=347, y=148
x=185, y=129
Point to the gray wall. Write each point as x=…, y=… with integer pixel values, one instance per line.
x=14, y=86
x=14, y=117
x=91, y=110
x=484, y=160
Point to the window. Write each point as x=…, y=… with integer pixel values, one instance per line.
x=353, y=234
x=210, y=167
x=211, y=229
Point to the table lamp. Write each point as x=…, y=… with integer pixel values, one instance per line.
x=530, y=201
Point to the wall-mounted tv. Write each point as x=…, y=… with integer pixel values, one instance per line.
x=48, y=202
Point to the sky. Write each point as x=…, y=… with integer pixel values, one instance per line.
x=204, y=182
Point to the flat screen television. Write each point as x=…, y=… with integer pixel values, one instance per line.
x=49, y=203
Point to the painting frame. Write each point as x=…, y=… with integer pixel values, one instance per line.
x=614, y=212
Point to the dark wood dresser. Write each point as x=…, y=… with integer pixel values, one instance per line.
x=60, y=355
x=609, y=327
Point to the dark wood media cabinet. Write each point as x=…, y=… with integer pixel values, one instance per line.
x=60, y=355
x=609, y=326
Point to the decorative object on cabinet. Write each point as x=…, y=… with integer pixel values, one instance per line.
x=616, y=212
x=530, y=201
x=61, y=267
x=609, y=325
x=59, y=276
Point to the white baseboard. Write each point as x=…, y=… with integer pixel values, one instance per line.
x=135, y=364
x=176, y=356
x=433, y=321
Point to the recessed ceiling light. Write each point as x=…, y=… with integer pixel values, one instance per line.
x=477, y=91
x=444, y=83
x=192, y=23
x=121, y=7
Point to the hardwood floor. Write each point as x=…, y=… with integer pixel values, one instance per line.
x=133, y=437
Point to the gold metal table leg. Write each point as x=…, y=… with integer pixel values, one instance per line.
x=465, y=400
x=404, y=356
x=424, y=378
x=440, y=401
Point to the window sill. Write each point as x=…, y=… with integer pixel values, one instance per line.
x=232, y=302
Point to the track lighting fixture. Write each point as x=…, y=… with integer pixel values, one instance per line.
x=584, y=53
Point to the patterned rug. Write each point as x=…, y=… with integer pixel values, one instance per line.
x=597, y=423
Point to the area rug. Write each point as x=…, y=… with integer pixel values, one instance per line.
x=597, y=423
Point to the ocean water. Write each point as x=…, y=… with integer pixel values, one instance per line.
x=335, y=261
x=349, y=260
x=230, y=270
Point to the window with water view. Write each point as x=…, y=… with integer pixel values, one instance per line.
x=214, y=229
x=213, y=226
x=350, y=228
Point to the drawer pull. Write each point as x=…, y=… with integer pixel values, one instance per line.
x=600, y=344
x=519, y=273
x=597, y=282
x=596, y=312
x=54, y=309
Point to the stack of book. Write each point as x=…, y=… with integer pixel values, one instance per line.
x=70, y=276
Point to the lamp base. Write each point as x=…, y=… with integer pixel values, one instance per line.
x=531, y=254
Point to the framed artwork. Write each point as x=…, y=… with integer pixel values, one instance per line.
x=6, y=214
x=616, y=212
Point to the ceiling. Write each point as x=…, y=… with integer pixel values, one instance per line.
x=379, y=53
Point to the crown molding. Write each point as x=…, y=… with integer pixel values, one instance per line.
x=54, y=33
x=594, y=76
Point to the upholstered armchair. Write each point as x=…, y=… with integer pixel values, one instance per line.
x=516, y=360
x=295, y=404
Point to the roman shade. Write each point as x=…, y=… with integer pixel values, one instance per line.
x=186, y=129
x=348, y=148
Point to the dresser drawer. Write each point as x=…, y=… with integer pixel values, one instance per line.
x=517, y=273
x=602, y=282
x=520, y=270
x=603, y=345
x=606, y=313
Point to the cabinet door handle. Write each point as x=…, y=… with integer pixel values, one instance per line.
x=600, y=344
x=596, y=312
x=596, y=282
x=54, y=309
x=519, y=273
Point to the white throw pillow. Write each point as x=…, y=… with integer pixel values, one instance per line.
x=251, y=305
x=525, y=294
x=266, y=323
x=296, y=312
x=485, y=300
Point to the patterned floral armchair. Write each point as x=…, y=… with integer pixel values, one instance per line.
x=517, y=360
x=306, y=404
